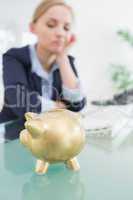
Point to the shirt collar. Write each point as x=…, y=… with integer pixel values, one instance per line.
x=37, y=66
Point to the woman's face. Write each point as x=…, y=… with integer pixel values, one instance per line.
x=53, y=28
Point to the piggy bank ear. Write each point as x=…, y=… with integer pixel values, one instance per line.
x=34, y=127
x=30, y=115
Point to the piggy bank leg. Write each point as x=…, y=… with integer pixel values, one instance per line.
x=41, y=167
x=73, y=164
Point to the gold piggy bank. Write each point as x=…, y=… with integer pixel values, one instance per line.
x=54, y=136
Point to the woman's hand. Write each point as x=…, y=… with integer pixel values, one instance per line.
x=69, y=43
x=60, y=104
x=67, y=46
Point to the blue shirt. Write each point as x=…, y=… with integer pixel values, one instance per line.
x=72, y=95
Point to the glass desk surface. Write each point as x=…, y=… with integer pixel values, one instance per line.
x=106, y=173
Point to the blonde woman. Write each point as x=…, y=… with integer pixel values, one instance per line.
x=43, y=76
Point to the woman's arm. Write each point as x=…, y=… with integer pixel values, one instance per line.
x=68, y=76
x=73, y=95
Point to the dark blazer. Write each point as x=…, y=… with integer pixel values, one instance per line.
x=22, y=86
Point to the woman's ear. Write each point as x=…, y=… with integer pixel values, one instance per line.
x=32, y=27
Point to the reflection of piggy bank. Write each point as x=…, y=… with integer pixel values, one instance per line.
x=54, y=136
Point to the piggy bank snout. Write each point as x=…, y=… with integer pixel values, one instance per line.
x=24, y=137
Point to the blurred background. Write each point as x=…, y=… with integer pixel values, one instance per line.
x=103, y=50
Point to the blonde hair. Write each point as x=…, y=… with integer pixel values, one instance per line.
x=45, y=5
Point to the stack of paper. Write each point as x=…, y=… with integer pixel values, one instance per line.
x=113, y=122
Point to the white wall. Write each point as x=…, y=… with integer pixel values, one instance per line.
x=98, y=44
